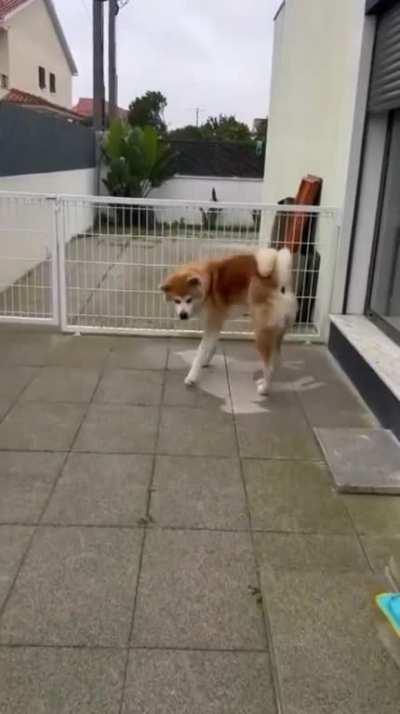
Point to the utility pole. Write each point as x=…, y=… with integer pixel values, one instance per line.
x=112, y=61
x=98, y=66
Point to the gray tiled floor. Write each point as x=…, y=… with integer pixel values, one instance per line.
x=165, y=550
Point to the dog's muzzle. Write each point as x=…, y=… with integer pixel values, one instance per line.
x=184, y=316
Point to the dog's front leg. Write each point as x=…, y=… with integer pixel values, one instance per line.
x=211, y=352
x=204, y=353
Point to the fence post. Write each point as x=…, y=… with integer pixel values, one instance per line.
x=329, y=274
x=60, y=263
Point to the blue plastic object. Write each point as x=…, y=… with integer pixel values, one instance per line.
x=389, y=604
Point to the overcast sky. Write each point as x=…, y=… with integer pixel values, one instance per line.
x=212, y=54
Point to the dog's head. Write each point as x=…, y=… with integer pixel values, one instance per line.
x=187, y=290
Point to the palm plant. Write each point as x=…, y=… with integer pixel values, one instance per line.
x=136, y=158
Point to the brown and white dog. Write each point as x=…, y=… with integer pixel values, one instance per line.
x=261, y=282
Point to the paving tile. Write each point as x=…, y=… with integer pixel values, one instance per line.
x=77, y=351
x=118, y=428
x=26, y=480
x=281, y=432
x=130, y=386
x=377, y=515
x=309, y=552
x=76, y=587
x=198, y=493
x=138, y=353
x=335, y=405
x=13, y=542
x=212, y=390
x=181, y=352
x=194, y=592
x=13, y=380
x=198, y=682
x=196, y=432
x=41, y=427
x=26, y=348
x=300, y=364
x=383, y=551
x=294, y=496
x=313, y=361
x=328, y=652
x=62, y=384
x=362, y=460
x=101, y=489
x=60, y=681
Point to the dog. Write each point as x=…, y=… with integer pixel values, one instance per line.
x=260, y=282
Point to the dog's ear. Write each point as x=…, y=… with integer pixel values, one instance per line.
x=164, y=287
x=194, y=281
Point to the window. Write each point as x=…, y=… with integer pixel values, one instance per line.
x=385, y=280
x=3, y=81
x=42, y=78
x=52, y=83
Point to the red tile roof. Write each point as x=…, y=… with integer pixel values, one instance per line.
x=16, y=96
x=7, y=6
x=85, y=108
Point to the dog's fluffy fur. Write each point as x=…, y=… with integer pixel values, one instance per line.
x=261, y=282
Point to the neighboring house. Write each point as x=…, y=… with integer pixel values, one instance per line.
x=34, y=53
x=335, y=113
x=84, y=107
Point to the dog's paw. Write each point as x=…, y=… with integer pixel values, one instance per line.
x=190, y=381
x=262, y=388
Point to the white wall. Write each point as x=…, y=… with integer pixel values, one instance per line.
x=32, y=43
x=199, y=188
x=314, y=83
x=27, y=232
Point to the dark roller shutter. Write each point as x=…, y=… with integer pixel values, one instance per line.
x=385, y=81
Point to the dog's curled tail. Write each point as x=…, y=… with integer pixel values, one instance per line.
x=277, y=264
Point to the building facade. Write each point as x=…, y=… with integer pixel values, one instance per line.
x=335, y=113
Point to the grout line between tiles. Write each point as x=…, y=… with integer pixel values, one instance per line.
x=266, y=620
x=145, y=528
x=130, y=648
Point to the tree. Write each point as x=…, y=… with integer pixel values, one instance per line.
x=136, y=158
x=187, y=133
x=226, y=128
x=148, y=110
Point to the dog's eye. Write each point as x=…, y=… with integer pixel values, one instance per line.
x=189, y=300
x=177, y=301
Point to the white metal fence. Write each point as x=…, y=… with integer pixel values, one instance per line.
x=95, y=264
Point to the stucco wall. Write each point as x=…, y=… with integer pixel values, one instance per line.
x=317, y=48
x=199, y=188
x=27, y=226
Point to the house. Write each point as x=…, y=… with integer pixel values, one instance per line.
x=84, y=108
x=34, y=53
x=335, y=113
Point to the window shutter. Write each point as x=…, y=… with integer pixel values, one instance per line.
x=385, y=80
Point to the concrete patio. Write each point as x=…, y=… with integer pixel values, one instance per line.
x=175, y=551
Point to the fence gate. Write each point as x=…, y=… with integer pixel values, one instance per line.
x=114, y=253
x=28, y=259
